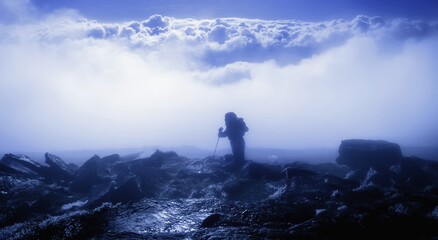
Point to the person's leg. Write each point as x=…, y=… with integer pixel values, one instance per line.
x=239, y=150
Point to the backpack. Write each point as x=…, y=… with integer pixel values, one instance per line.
x=242, y=126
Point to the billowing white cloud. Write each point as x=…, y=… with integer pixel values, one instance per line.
x=223, y=41
x=69, y=82
x=228, y=74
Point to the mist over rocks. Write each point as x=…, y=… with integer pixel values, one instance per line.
x=375, y=192
x=197, y=61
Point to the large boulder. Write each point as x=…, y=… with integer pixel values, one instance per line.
x=58, y=170
x=258, y=171
x=360, y=154
x=154, y=172
x=57, y=163
x=121, y=171
x=55, y=170
x=415, y=174
x=111, y=159
x=21, y=163
x=6, y=170
x=321, y=168
x=92, y=172
x=49, y=202
x=211, y=221
x=129, y=191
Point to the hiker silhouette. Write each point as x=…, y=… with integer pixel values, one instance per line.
x=235, y=130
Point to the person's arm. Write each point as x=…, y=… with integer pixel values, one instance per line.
x=222, y=133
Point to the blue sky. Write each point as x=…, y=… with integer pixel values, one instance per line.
x=309, y=10
x=303, y=74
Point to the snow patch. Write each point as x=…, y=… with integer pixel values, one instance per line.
x=278, y=193
x=343, y=207
x=370, y=174
x=400, y=208
x=27, y=159
x=335, y=193
x=434, y=213
x=349, y=174
x=78, y=203
x=319, y=211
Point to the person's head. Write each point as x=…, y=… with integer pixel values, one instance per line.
x=230, y=116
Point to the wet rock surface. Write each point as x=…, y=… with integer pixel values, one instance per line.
x=374, y=192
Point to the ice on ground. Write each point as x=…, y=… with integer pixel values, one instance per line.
x=434, y=213
x=319, y=211
x=78, y=203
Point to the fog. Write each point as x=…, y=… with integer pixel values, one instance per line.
x=72, y=83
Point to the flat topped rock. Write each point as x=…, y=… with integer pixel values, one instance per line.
x=363, y=154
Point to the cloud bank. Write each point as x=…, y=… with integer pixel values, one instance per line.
x=73, y=83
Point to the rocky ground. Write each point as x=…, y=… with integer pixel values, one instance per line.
x=371, y=192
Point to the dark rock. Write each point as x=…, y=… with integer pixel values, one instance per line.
x=322, y=168
x=163, y=155
x=48, y=203
x=386, y=195
x=58, y=170
x=415, y=173
x=92, y=172
x=21, y=163
x=259, y=171
x=72, y=167
x=4, y=169
x=151, y=180
x=127, y=192
x=154, y=161
x=20, y=213
x=248, y=190
x=294, y=172
x=150, y=173
x=211, y=221
x=290, y=172
x=233, y=166
x=362, y=154
x=121, y=170
x=56, y=162
x=157, y=159
x=24, y=164
x=315, y=187
x=111, y=159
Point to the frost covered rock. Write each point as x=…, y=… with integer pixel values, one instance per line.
x=58, y=170
x=57, y=163
x=21, y=163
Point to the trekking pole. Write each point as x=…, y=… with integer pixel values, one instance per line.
x=217, y=142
